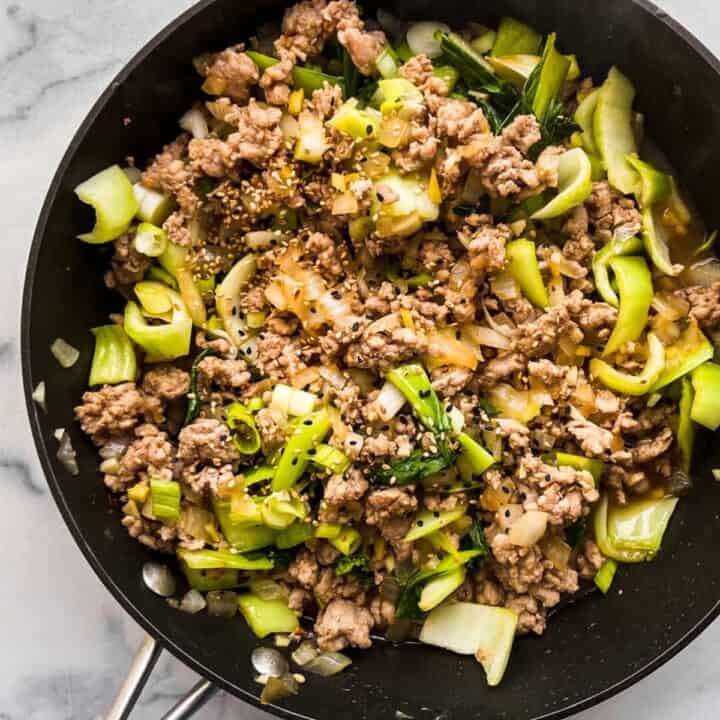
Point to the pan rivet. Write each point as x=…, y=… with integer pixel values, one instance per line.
x=159, y=579
x=267, y=661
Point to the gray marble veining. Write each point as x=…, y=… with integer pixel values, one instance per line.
x=66, y=644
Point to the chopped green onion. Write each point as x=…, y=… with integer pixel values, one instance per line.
x=267, y=616
x=330, y=458
x=294, y=535
x=439, y=588
x=328, y=531
x=292, y=401
x=282, y=508
x=414, y=384
x=207, y=580
x=246, y=437
x=474, y=457
x=595, y=467
x=636, y=292
x=574, y=185
x=523, y=266
x=515, y=38
x=114, y=358
x=387, y=63
x=221, y=559
x=706, y=403
x=348, y=541
x=111, y=195
x=153, y=207
x=306, y=78
x=150, y=240
x=309, y=431
x=605, y=576
x=427, y=522
x=685, y=433
x=553, y=73
x=242, y=536
x=601, y=260
x=165, y=499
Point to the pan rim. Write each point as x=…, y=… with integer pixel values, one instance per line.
x=100, y=570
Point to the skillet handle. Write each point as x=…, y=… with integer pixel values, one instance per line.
x=142, y=665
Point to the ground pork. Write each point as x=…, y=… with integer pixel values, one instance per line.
x=561, y=491
x=128, y=266
x=390, y=511
x=342, y=489
x=216, y=373
x=704, y=304
x=304, y=569
x=363, y=47
x=540, y=337
x=579, y=245
x=166, y=382
x=232, y=73
x=343, y=623
x=153, y=534
x=207, y=441
x=486, y=247
x=272, y=424
x=385, y=345
x=503, y=168
x=151, y=455
x=610, y=214
x=207, y=480
x=257, y=137
x=327, y=256
x=383, y=611
x=501, y=367
x=460, y=121
x=593, y=439
x=449, y=381
x=169, y=173
x=589, y=560
x=114, y=410
x=346, y=587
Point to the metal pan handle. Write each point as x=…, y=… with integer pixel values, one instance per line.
x=139, y=673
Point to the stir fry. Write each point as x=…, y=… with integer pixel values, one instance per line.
x=416, y=332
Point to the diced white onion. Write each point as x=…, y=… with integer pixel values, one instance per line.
x=528, y=529
x=292, y=401
x=39, y=395
x=64, y=353
x=556, y=550
x=421, y=38
x=192, y=602
x=716, y=474
x=487, y=336
x=344, y=204
x=66, y=453
x=304, y=653
x=333, y=375
x=327, y=664
x=152, y=244
x=507, y=515
x=504, y=286
x=194, y=122
x=289, y=126
x=389, y=402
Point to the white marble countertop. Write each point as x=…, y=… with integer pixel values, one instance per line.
x=66, y=643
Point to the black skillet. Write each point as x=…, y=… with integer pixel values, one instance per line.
x=594, y=648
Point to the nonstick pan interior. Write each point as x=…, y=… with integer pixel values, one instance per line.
x=591, y=649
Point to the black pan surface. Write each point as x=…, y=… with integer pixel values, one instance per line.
x=592, y=649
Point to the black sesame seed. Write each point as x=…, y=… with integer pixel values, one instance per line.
x=420, y=523
x=369, y=129
x=307, y=422
x=436, y=514
x=506, y=489
x=352, y=442
x=507, y=513
x=458, y=335
x=294, y=461
x=379, y=196
x=355, y=326
x=548, y=477
x=335, y=294
x=312, y=451
x=523, y=497
x=248, y=351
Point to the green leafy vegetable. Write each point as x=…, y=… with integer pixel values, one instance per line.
x=351, y=563
x=417, y=466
